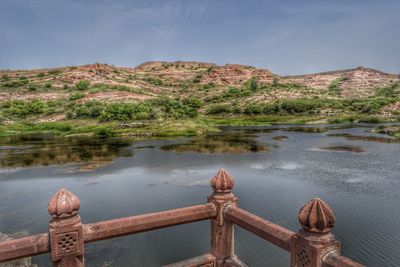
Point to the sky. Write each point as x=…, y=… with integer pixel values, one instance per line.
x=286, y=37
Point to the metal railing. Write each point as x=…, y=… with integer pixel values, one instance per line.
x=313, y=245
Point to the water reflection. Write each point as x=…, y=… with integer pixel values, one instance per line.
x=45, y=150
x=308, y=129
x=361, y=188
x=235, y=143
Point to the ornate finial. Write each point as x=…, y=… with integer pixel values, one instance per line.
x=63, y=204
x=222, y=182
x=316, y=216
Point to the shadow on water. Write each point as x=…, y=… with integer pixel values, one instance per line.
x=378, y=139
x=45, y=150
x=280, y=138
x=344, y=148
x=235, y=143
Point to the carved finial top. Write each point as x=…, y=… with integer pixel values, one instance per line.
x=63, y=204
x=222, y=182
x=316, y=216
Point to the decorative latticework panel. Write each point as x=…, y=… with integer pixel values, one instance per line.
x=67, y=243
x=303, y=258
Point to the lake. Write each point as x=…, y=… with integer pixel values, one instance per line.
x=277, y=170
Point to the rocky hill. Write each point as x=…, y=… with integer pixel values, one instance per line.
x=192, y=88
x=351, y=83
x=168, y=78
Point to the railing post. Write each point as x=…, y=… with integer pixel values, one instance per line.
x=222, y=239
x=66, y=230
x=314, y=242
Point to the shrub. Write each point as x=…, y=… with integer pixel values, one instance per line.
x=91, y=109
x=126, y=111
x=345, y=119
x=53, y=126
x=271, y=109
x=76, y=96
x=253, y=109
x=334, y=86
x=299, y=105
x=252, y=84
x=21, y=108
x=213, y=98
x=48, y=85
x=208, y=86
x=82, y=85
x=32, y=87
x=275, y=82
x=16, y=83
x=154, y=81
x=5, y=77
x=104, y=132
x=178, y=108
x=232, y=92
x=193, y=102
x=218, y=109
x=197, y=78
x=236, y=109
x=368, y=105
x=41, y=74
x=37, y=106
x=54, y=72
x=371, y=119
x=388, y=91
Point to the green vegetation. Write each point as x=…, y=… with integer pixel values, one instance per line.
x=5, y=77
x=174, y=99
x=16, y=83
x=306, y=106
x=54, y=72
x=20, y=109
x=76, y=96
x=252, y=84
x=154, y=81
x=197, y=78
x=391, y=90
x=334, y=86
x=82, y=85
x=160, y=108
x=234, y=92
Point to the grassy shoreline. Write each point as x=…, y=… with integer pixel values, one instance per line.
x=168, y=128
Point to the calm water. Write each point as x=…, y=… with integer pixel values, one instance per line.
x=277, y=170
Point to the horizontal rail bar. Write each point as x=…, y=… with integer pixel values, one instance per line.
x=24, y=247
x=194, y=262
x=340, y=261
x=271, y=232
x=135, y=224
x=39, y=244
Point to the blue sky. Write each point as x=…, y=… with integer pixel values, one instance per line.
x=286, y=37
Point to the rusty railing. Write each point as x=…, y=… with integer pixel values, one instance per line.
x=312, y=245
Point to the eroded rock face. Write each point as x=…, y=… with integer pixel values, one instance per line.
x=352, y=83
x=25, y=262
x=237, y=75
